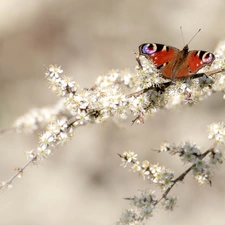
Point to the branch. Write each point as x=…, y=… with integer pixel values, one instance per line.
x=183, y=175
x=19, y=172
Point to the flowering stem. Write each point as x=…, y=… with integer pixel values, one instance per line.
x=19, y=171
x=34, y=157
x=179, y=178
x=183, y=175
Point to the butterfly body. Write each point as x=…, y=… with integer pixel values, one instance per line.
x=174, y=63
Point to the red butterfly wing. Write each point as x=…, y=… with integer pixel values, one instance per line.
x=188, y=63
x=161, y=55
x=199, y=59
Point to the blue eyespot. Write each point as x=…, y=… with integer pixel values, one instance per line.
x=208, y=57
x=148, y=49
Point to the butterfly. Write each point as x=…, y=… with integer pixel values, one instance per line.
x=174, y=63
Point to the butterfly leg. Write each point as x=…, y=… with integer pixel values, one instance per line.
x=162, y=87
x=197, y=75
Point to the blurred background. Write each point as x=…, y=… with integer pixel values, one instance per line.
x=82, y=183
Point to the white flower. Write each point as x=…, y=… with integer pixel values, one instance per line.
x=169, y=203
x=131, y=156
x=216, y=156
x=30, y=154
x=145, y=164
x=55, y=70
x=189, y=152
x=166, y=146
x=147, y=212
x=136, y=167
x=217, y=131
x=129, y=80
x=7, y=185
x=205, y=81
x=144, y=173
x=128, y=217
x=200, y=165
x=46, y=138
x=82, y=118
x=43, y=152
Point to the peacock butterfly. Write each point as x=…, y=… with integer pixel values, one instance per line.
x=174, y=63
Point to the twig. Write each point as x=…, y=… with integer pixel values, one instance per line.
x=182, y=176
x=9, y=181
x=35, y=156
x=179, y=178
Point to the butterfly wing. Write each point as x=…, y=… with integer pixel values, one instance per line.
x=162, y=56
x=199, y=59
x=188, y=62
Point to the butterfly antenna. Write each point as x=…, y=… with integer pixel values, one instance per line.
x=181, y=31
x=194, y=36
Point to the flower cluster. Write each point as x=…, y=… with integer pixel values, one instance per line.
x=216, y=156
x=146, y=202
x=61, y=85
x=217, y=132
x=95, y=104
x=57, y=133
x=169, y=202
x=189, y=152
x=148, y=75
x=39, y=118
x=143, y=208
x=153, y=172
x=202, y=167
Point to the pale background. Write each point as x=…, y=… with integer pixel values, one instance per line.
x=82, y=182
